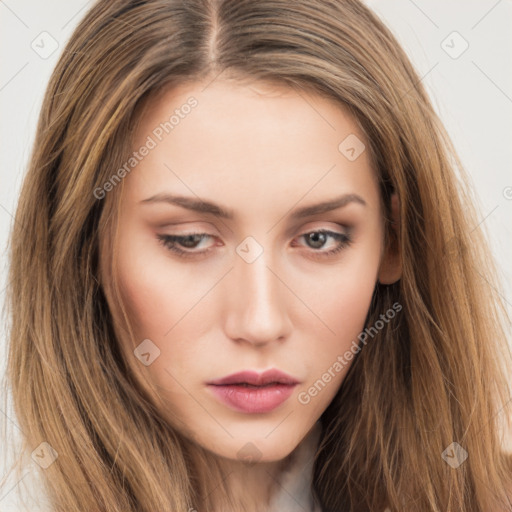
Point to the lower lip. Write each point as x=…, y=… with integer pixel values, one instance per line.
x=253, y=399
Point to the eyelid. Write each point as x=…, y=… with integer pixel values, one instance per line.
x=323, y=226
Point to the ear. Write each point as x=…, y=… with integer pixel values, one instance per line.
x=390, y=269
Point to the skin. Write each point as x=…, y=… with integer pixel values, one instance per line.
x=261, y=151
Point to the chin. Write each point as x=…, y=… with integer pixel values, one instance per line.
x=269, y=443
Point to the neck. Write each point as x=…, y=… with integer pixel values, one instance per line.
x=277, y=486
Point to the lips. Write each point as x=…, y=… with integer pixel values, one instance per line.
x=252, y=392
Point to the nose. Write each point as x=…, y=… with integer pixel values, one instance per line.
x=257, y=302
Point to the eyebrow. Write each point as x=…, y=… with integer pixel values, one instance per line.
x=203, y=206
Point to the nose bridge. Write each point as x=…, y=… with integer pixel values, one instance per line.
x=257, y=311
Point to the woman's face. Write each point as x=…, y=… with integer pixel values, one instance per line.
x=277, y=189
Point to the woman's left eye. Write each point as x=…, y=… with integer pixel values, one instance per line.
x=183, y=245
x=320, y=236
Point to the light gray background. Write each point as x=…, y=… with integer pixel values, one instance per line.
x=472, y=93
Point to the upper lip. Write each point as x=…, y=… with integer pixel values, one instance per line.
x=256, y=379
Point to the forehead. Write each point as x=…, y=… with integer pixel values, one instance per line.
x=249, y=141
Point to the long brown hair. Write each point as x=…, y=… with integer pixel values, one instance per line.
x=435, y=377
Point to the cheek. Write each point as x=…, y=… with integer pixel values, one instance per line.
x=345, y=312
x=153, y=290
x=168, y=303
x=340, y=295
x=341, y=298
x=159, y=298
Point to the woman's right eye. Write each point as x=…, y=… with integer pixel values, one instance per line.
x=189, y=241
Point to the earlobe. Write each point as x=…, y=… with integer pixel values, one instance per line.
x=390, y=269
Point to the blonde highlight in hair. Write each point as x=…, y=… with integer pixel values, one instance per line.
x=434, y=377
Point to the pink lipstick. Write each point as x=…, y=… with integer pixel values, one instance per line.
x=253, y=392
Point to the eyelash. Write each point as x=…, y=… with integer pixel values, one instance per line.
x=169, y=242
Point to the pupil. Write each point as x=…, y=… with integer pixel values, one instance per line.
x=190, y=240
x=315, y=236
